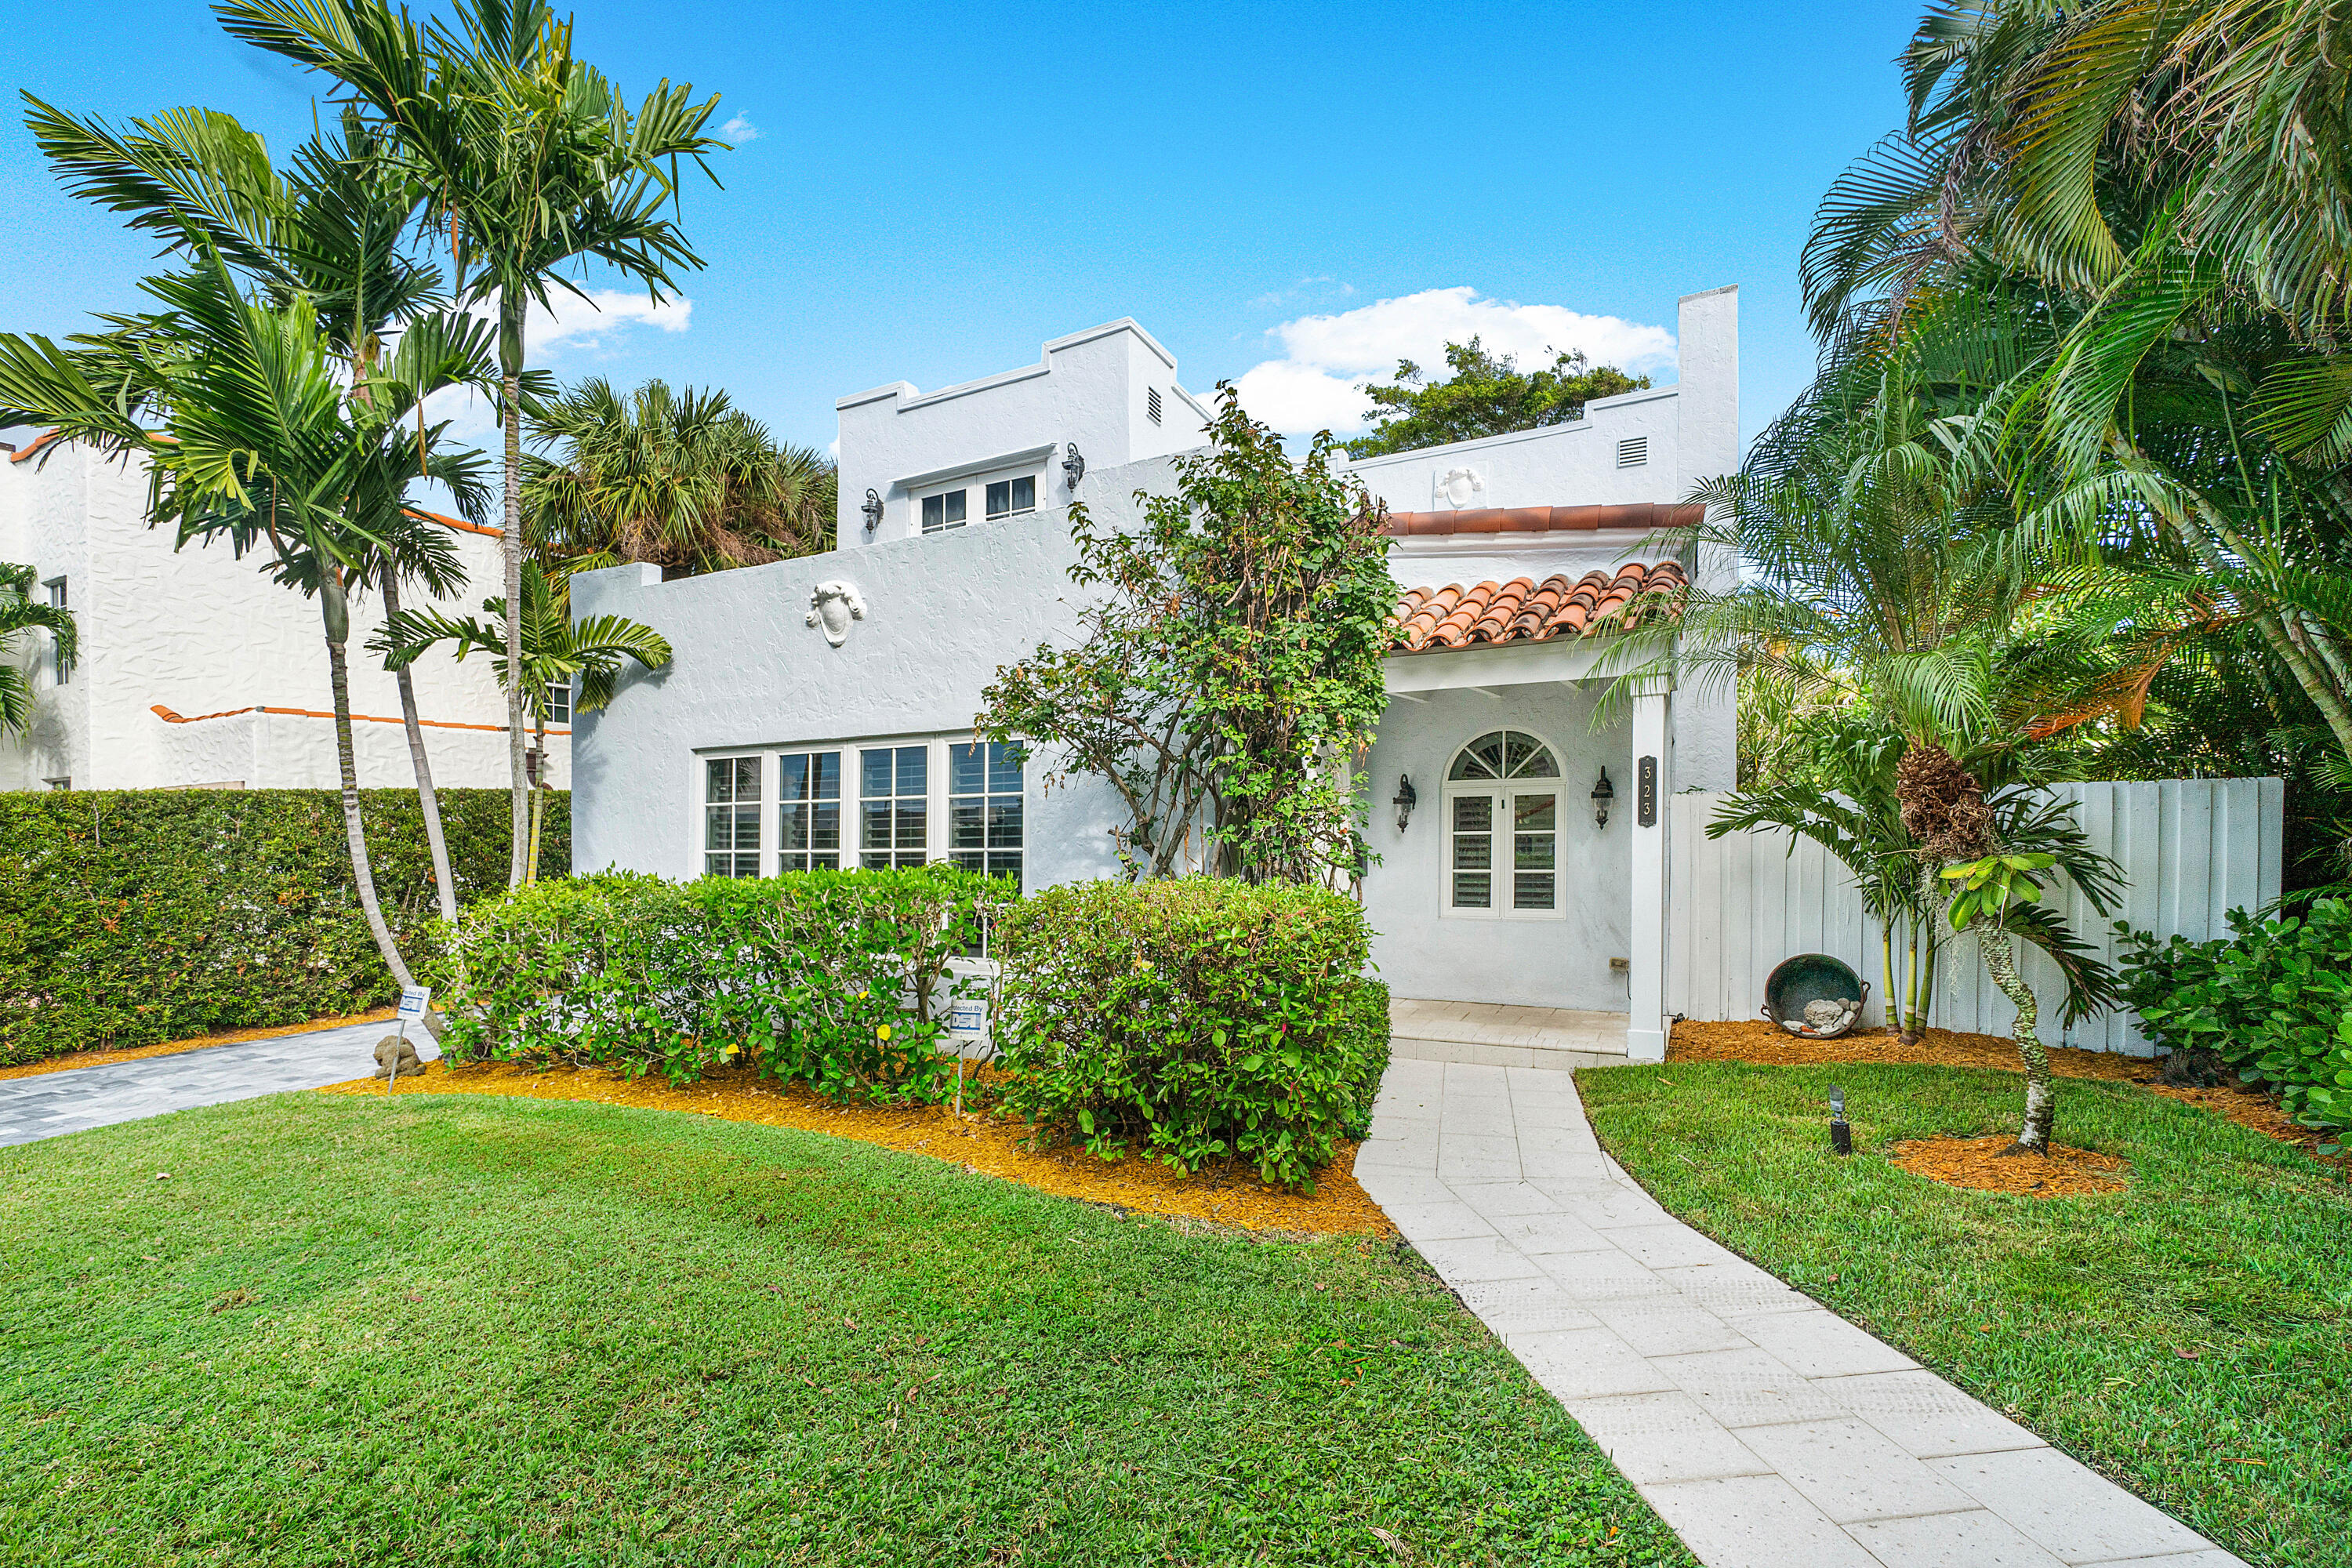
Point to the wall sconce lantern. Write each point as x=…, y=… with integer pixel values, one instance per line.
x=1603, y=795
x=873, y=510
x=1404, y=800
x=1074, y=467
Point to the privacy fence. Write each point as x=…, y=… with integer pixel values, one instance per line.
x=2191, y=850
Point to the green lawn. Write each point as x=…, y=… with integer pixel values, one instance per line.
x=477, y=1331
x=2164, y=1336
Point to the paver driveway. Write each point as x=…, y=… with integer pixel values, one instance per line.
x=49, y=1104
x=1767, y=1430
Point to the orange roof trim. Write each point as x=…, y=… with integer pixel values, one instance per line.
x=1644, y=515
x=171, y=718
x=1523, y=610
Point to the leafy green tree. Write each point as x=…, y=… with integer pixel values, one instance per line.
x=20, y=613
x=1487, y=395
x=530, y=161
x=685, y=480
x=1230, y=671
x=587, y=656
x=329, y=229
x=267, y=435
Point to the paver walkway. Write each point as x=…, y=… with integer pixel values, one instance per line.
x=53, y=1104
x=1765, y=1429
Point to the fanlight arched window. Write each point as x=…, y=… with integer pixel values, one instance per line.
x=1503, y=811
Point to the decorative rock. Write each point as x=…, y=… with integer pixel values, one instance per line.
x=396, y=1055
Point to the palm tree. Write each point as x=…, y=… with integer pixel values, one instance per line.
x=588, y=655
x=684, y=480
x=529, y=160
x=330, y=229
x=19, y=612
x=265, y=441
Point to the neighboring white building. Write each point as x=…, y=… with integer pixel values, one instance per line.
x=198, y=671
x=819, y=711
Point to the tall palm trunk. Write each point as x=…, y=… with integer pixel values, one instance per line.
x=2041, y=1094
x=336, y=610
x=511, y=306
x=429, y=803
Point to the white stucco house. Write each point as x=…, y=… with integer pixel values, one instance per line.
x=819, y=712
x=196, y=671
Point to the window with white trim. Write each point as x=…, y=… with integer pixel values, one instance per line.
x=1503, y=800
x=559, y=702
x=57, y=665
x=984, y=817
x=730, y=816
x=894, y=806
x=944, y=511
x=1009, y=497
x=808, y=811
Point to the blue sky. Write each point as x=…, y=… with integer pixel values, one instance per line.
x=927, y=193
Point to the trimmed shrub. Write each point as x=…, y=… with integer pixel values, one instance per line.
x=837, y=979
x=2274, y=999
x=132, y=917
x=1193, y=1020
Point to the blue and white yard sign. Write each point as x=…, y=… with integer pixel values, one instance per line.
x=413, y=999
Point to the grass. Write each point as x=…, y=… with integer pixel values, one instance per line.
x=2192, y=1337
x=487, y=1331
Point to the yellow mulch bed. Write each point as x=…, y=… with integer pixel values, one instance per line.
x=985, y=1143
x=1981, y=1164
x=201, y=1042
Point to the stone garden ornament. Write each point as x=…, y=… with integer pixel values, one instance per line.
x=832, y=606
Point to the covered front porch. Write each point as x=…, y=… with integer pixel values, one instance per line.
x=1520, y=902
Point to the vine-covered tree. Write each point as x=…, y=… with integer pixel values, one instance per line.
x=1487, y=395
x=1231, y=669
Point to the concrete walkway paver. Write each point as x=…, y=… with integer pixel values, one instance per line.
x=1768, y=1431
x=50, y=1104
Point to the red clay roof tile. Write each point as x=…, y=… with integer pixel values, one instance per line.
x=1522, y=610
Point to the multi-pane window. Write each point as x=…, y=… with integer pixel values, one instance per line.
x=808, y=811
x=559, y=702
x=984, y=807
x=730, y=818
x=57, y=665
x=945, y=510
x=1006, y=497
x=894, y=797
x=1502, y=827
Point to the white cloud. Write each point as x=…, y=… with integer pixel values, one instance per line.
x=738, y=130
x=1319, y=380
x=567, y=327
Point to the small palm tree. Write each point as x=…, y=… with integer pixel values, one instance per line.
x=529, y=160
x=588, y=657
x=684, y=480
x=19, y=612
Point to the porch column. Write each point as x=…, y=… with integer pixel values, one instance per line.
x=1645, y=1028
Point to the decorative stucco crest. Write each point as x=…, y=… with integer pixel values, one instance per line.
x=833, y=606
x=1455, y=487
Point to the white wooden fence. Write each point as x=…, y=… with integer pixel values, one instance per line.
x=2191, y=850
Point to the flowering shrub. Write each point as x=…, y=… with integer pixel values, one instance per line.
x=1193, y=1020
x=2274, y=999
x=837, y=979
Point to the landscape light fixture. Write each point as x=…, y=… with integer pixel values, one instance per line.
x=1404, y=800
x=1603, y=794
x=873, y=509
x=1841, y=1135
x=1074, y=467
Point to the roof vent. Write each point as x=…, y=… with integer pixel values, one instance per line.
x=1634, y=452
x=1151, y=403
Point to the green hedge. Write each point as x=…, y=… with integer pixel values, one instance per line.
x=838, y=978
x=1194, y=1019
x=2274, y=999
x=132, y=917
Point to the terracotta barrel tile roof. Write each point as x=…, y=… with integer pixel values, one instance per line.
x=1523, y=610
x=1545, y=519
